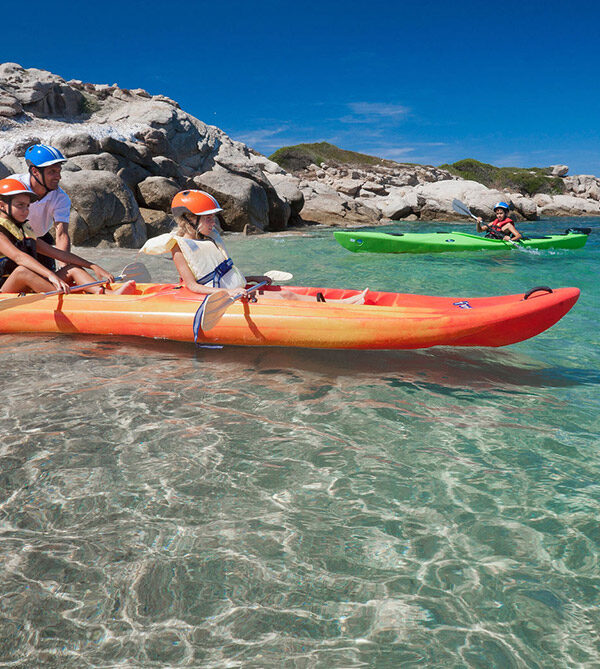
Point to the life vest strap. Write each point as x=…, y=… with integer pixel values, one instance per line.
x=217, y=274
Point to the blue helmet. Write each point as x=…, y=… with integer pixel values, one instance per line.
x=40, y=155
x=501, y=205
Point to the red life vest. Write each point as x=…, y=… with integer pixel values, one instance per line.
x=495, y=228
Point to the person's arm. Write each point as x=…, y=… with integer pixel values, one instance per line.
x=8, y=249
x=190, y=280
x=68, y=257
x=480, y=226
x=63, y=241
x=510, y=229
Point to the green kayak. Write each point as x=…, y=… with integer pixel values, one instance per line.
x=440, y=242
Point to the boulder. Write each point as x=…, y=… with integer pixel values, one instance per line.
x=243, y=200
x=227, y=159
x=568, y=205
x=101, y=203
x=438, y=197
x=77, y=144
x=594, y=192
x=131, y=173
x=157, y=222
x=288, y=189
x=9, y=105
x=374, y=187
x=165, y=167
x=157, y=193
x=135, y=153
x=559, y=170
x=396, y=208
x=40, y=92
x=14, y=164
x=526, y=207
x=131, y=235
x=323, y=204
x=347, y=186
x=265, y=165
x=157, y=142
x=95, y=161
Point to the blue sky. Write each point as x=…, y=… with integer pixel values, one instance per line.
x=510, y=83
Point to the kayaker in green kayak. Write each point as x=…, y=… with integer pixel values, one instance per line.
x=502, y=227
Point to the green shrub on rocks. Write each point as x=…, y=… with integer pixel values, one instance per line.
x=88, y=105
x=527, y=181
x=300, y=156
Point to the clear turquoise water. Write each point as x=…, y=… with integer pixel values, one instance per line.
x=162, y=505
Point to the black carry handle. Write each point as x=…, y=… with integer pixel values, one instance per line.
x=529, y=293
x=581, y=231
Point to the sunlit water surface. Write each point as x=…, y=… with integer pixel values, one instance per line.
x=165, y=505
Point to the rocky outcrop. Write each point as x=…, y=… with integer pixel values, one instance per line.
x=148, y=145
x=104, y=209
x=130, y=151
x=421, y=192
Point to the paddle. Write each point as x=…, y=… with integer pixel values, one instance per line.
x=216, y=304
x=135, y=270
x=277, y=275
x=461, y=208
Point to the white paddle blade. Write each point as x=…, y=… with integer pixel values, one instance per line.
x=277, y=275
x=215, y=306
x=137, y=271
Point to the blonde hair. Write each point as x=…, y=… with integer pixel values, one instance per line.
x=184, y=227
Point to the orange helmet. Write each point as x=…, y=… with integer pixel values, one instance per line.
x=195, y=202
x=12, y=186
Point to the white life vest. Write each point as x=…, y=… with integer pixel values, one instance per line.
x=207, y=259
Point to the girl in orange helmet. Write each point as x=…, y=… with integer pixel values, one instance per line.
x=20, y=271
x=199, y=253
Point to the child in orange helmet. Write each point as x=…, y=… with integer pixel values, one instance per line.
x=197, y=249
x=199, y=253
x=20, y=271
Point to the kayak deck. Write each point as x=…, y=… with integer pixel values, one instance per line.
x=385, y=321
x=442, y=242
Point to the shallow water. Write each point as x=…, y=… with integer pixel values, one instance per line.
x=162, y=505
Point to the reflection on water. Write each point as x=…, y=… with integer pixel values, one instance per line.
x=162, y=505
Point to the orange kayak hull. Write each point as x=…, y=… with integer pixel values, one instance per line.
x=385, y=321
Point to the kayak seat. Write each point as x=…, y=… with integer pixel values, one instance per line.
x=395, y=234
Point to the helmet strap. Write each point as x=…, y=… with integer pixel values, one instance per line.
x=9, y=213
x=42, y=183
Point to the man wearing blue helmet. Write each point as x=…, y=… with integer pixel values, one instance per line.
x=501, y=227
x=53, y=207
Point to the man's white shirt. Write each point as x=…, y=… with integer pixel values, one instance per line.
x=54, y=207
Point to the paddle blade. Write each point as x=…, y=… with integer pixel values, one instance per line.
x=277, y=275
x=215, y=306
x=9, y=302
x=137, y=271
x=461, y=208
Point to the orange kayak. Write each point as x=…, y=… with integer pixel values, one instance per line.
x=384, y=321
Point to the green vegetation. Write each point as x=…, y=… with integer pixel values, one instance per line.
x=88, y=105
x=299, y=157
x=527, y=181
